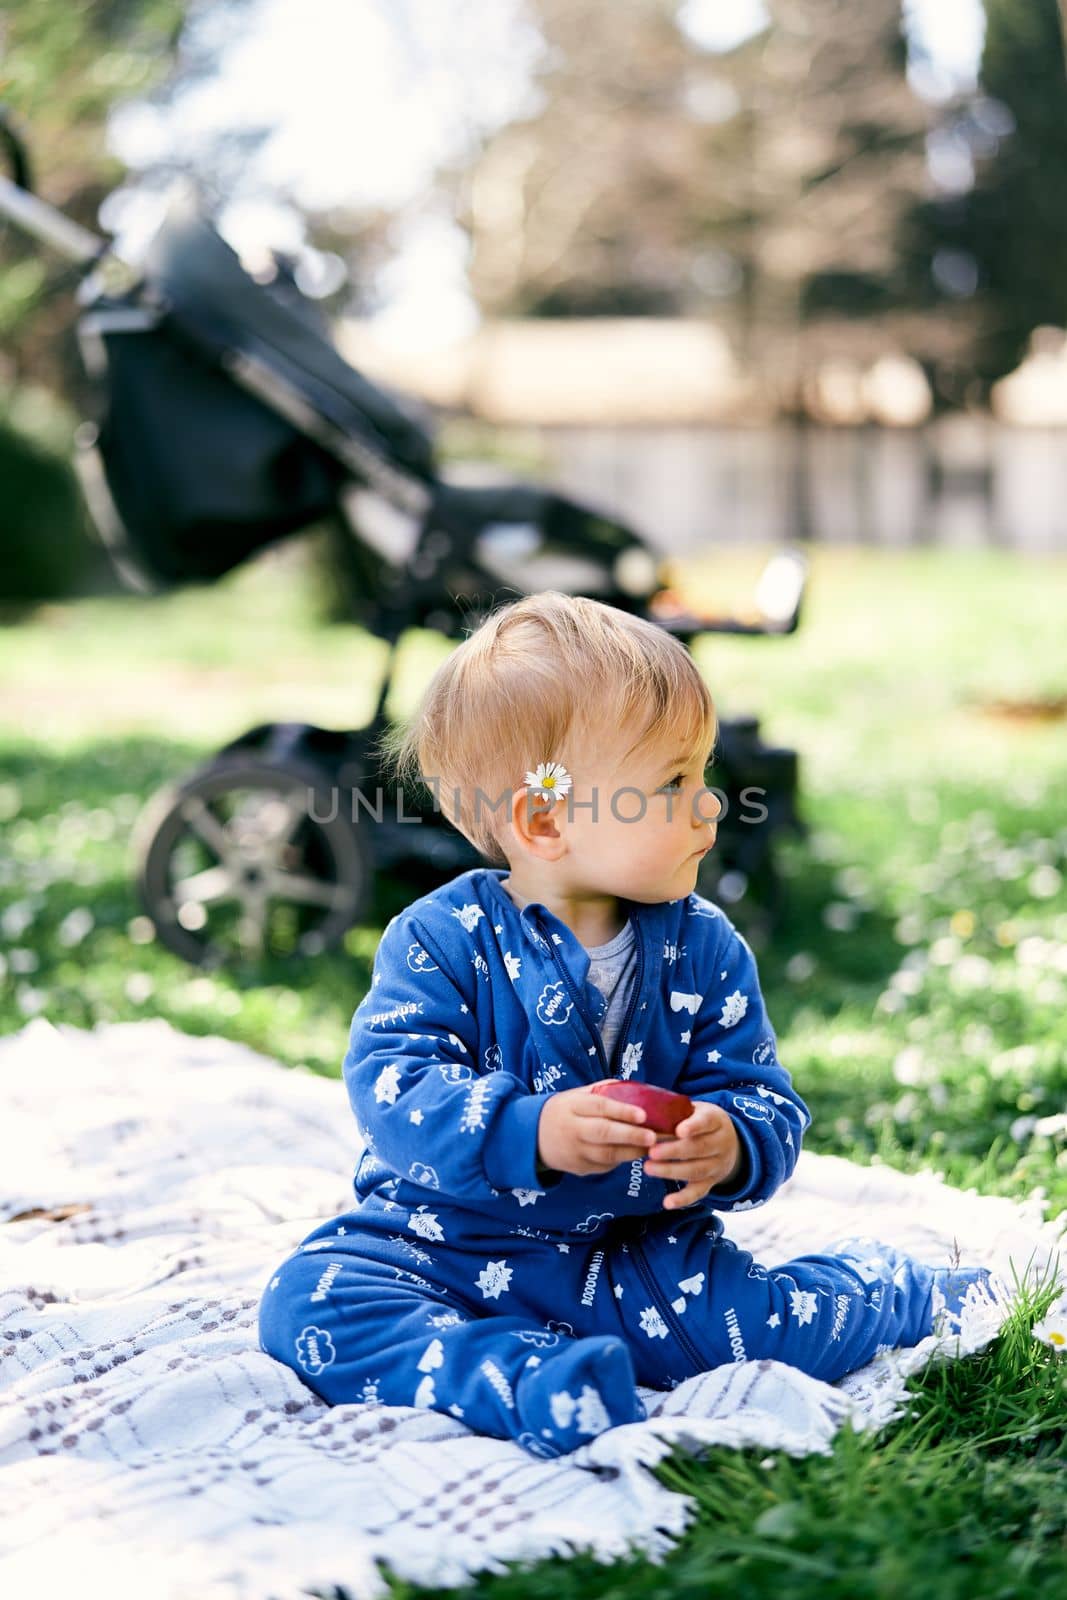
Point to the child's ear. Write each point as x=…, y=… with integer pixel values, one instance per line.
x=534, y=825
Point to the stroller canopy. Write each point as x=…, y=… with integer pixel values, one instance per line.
x=210, y=293
x=198, y=473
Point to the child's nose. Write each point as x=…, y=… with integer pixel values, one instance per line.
x=703, y=814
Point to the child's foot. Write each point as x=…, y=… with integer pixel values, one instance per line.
x=874, y=1259
x=948, y=1293
x=565, y=1399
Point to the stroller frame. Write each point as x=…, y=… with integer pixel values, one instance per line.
x=261, y=852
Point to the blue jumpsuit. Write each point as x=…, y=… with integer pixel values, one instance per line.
x=529, y=1303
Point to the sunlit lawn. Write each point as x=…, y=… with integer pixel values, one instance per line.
x=916, y=982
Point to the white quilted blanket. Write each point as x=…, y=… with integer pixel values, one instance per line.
x=149, y=1180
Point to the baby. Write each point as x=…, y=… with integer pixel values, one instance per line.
x=523, y=1252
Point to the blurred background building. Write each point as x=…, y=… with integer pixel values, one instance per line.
x=779, y=269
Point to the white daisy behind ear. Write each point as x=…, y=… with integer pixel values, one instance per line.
x=550, y=781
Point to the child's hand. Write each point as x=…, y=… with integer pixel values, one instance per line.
x=580, y=1132
x=706, y=1151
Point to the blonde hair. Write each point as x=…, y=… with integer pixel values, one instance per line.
x=542, y=679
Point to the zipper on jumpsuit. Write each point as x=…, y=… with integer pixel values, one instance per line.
x=665, y=1308
x=594, y=1031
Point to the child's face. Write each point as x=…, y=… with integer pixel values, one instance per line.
x=653, y=820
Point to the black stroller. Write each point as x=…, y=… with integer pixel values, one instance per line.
x=228, y=423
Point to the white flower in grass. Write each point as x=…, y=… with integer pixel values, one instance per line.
x=550, y=781
x=76, y=925
x=1052, y=1328
x=29, y=1000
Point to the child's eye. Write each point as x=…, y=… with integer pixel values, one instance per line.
x=679, y=779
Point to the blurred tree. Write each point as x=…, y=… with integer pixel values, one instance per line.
x=762, y=185
x=832, y=154
x=585, y=207
x=1020, y=222
x=998, y=243
x=63, y=64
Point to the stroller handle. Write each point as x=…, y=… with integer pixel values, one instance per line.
x=46, y=223
x=22, y=206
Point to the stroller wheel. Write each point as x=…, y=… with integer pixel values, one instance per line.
x=247, y=860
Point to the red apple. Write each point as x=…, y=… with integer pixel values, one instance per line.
x=663, y=1109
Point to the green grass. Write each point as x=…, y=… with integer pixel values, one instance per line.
x=916, y=982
